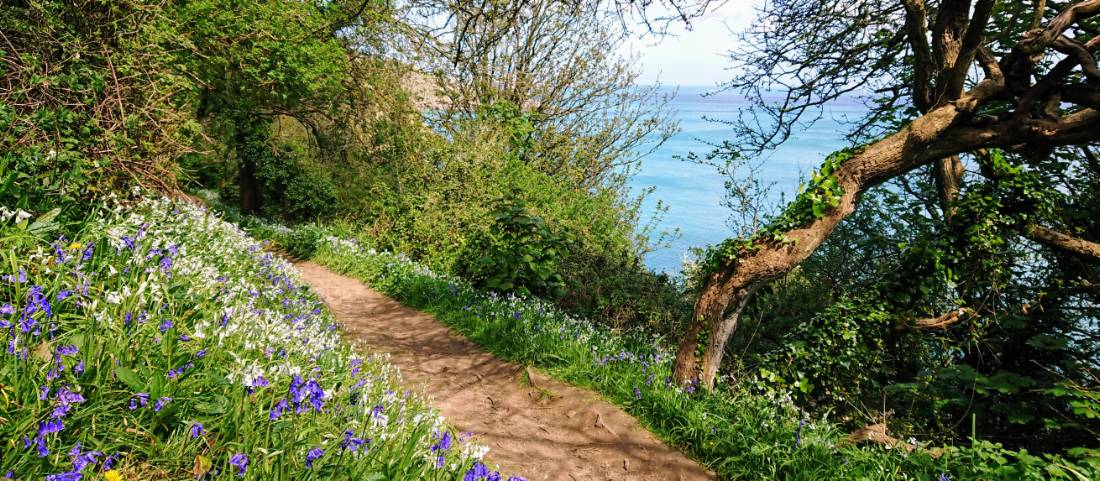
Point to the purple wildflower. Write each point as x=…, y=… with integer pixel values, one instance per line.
x=798, y=432
x=316, y=394
x=82, y=460
x=479, y=471
x=165, y=325
x=64, y=400
x=197, y=430
x=443, y=443
x=139, y=398
x=109, y=461
x=240, y=461
x=50, y=427
x=312, y=456
x=277, y=410
x=161, y=403
x=352, y=442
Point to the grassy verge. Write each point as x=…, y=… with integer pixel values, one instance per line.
x=738, y=434
x=161, y=342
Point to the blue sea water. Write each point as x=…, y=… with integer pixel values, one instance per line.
x=693, y=192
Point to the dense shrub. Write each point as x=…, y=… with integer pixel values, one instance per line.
x=85, y=104
x=519, y=253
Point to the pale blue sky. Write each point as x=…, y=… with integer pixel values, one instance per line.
x=697, y=56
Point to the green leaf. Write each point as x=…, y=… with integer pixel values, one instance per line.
x=130, y=378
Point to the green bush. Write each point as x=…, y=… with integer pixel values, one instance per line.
x=520, y=253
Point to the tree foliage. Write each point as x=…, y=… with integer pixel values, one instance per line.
x=944, y=297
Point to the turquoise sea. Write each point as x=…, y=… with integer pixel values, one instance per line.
x=693, y=193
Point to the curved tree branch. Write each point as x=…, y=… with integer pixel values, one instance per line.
x=1063, y=242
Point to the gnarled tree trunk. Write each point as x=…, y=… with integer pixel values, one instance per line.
x=718, y=309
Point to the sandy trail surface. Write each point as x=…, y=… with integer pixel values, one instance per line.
x=542, y=429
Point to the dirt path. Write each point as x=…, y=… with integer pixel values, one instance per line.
x=572, y=436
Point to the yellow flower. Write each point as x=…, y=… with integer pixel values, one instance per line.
x=75, y=246
x=112, y=475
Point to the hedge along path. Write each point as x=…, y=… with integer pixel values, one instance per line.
x=535, y=426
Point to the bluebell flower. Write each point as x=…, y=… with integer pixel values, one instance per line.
x=240, y=461
x=109, y=461
x=798, y=432
x=443, y=443
x=351, y=442
x=50, y=427
x=82, y=460
x=197, y=430
x=64, y=399
x=161, y=403
x=201, y=353
x=277, y=410
x=7, y=309
x=637, y=393
x=316, y=394
x=295, y=390
x=140, y=398
x=165, y=325
x=477, y=472
x=944, y=477
x=312, y=456
x=69, y=476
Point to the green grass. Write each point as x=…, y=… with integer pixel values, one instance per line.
x=739, y=434
x=157, y=319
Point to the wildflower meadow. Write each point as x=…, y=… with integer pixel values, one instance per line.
x=157, y=341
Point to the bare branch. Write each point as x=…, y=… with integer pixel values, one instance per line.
x=971, y=42
x=1064, y=242
x=916, y=24
x=1080, y=54
x=939, y=322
